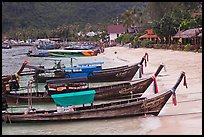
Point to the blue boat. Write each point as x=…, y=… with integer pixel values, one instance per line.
x=40, y=54
x=81, y=70
x=94, y=72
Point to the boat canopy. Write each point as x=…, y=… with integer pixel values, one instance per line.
x=74, y=98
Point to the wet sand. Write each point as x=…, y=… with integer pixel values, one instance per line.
x=186, y=117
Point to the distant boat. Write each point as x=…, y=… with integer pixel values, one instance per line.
x=6, y=46
x=48, y=46
x=79, y=47
x=22, y=44
x=65, y=53
x=40, y=54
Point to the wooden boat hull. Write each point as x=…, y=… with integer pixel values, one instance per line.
x=131, y=107
x=22, y=98
x=42, y=79
x=123, y=90
x=10, y=82
x=38, y=55
x=122, y=73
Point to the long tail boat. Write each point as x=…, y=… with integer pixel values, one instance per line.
x=40, y=54
x=10, y=82
x=58, y=67
x=122, y=73
x=151, y=105
x=65, y=53
x=125, y=89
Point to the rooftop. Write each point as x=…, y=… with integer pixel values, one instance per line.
x=116, y=29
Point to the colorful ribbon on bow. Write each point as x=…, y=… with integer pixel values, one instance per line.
x=146, y=54
x=17, y=76
x=146, y=58
x=155, y=85
x=174, y=99
x=140, y=72
x=184, y=82
x=174, y=93
x=141, y=67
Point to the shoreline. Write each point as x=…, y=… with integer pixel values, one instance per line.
x=180, y=117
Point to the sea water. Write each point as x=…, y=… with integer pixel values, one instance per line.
x=12, y=60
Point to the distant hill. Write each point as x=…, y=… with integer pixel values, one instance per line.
x=52, y=14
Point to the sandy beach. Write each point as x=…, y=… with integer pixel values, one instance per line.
x=186, y=117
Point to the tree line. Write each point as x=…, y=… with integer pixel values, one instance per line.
x=165, y=18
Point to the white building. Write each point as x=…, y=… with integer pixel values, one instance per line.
x=115, y=31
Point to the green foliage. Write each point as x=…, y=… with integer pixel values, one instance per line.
x=174, y=47
x=156, y=46
x=164, y=46
x=132, y=17
x=145, y=43
x=200, y=50
x=188, y=47
x=165, y=27
x=187, y=24
x=50, y=15
x=174, y=18
x=65, y=19
x=125, y=38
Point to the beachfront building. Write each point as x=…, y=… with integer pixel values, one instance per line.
x=190, y=36
x=149, y=35
x=114, y=32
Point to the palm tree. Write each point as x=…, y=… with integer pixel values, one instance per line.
x=132, y=18
x=127, y=19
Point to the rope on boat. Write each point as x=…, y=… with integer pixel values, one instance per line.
x=8, y=116
x=17, y=100
x=4, y=118
x=140, y=71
